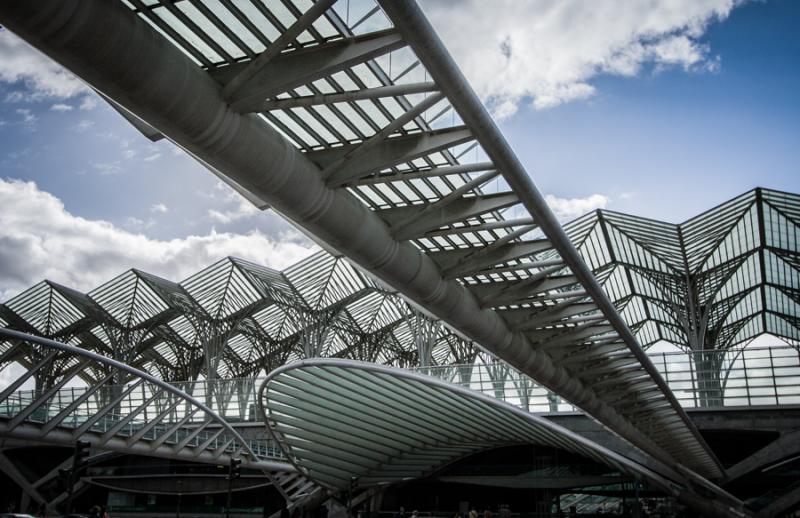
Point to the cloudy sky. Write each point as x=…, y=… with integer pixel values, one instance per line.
x=663, y=109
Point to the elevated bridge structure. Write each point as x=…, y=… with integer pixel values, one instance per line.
x=368, y=138
x=358, y=127
x=145, y=416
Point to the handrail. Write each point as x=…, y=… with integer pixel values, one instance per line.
x=52, y=344
x=772, y=376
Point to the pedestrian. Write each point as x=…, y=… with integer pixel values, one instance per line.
x=104, y=512
x=401, y=513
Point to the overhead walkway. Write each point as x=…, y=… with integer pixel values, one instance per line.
x=374, y=144
x=99, y=416
x=344, y=423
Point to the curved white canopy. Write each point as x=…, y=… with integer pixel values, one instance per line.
x=340, y=419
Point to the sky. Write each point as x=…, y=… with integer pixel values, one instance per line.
x=662, y=109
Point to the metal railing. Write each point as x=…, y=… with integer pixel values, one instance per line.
x=713, y=379
x=146, y=411
x=233, y=400
x=752, y=377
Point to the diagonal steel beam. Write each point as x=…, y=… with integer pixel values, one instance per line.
x=359, y=150
x=12, y=472
x=426, y=173
x=414, y=221
x=349, y=96
x=289, y=70
x=257, y=65
x=391, y=152
x=469, y=261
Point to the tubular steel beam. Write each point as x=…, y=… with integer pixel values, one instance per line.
x=300, y=67
x=143, y=72
x=343, y=97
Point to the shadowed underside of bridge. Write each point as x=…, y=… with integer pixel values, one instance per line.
x=337, y=131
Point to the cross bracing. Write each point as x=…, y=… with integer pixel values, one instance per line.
x=357, y=126
x=715, y=281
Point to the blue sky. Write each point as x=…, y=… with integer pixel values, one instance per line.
x=669, y=144
x=662, y=112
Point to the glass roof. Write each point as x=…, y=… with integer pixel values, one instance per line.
x=715, y=281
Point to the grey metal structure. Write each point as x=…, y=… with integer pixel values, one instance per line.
x=236, y=319
x=342, y=422
x=407, y=177
x=714, y=282
x=181, y=427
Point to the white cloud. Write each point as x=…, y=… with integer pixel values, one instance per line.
x=19, y=62
x=27, y=116
x=10, y=373
x=15, y=97
x=547, y=53
x=137, y=224
x=61, y=107
x=83, y=125
x=569, y=208
x=159, y=208
x=153, y=157
x=40, y=239
x=239, y=208
x=108, y=168
x=88, y=103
